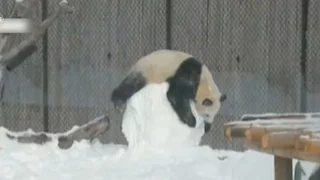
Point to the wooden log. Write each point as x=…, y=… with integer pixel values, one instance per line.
x=255, y=142
x=298, y=136
x=251, y=117
x=289, y=125
x=291, y=140
x=272, y=116
x=287, y=152
x=255, y=134
x=280, y=140
x=231, y=132
x=311, y=123
x=250, y=132
x=21, y=56
x=282, y=168
x=88, y=131
x=310, y=145
x=237, y=131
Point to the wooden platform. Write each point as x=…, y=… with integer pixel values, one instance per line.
x=286, y=136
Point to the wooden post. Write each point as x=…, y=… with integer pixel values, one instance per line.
x=282, y=168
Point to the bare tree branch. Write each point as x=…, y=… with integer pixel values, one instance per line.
x=20, y=9
x=88, y=131
x=16, y=55
x=21, y=56
x=36, y=34
x=24, y=8
x=3, y=72
x=4, y=37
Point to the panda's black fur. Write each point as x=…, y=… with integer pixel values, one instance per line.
x=127, y=88
x=183, y=87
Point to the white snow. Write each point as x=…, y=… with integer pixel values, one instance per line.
x=113, y=162
x=154, y=124
x=148, y=157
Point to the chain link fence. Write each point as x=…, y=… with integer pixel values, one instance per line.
x=21, y=106
x=252, y=47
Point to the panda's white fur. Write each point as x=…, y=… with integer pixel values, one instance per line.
x=189, y=80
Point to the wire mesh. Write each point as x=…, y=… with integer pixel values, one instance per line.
x=252, y=48
x=21, y=106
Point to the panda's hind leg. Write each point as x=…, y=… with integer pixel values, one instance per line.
x=130, y=85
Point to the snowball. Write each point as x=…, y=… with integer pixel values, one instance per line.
x=150, y=121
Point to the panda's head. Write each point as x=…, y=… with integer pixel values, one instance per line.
x=190, y=83
x=208, y=97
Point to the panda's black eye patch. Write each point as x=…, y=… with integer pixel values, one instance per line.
x=207, y=102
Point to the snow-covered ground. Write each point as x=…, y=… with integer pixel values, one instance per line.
x=149, y=131
x=113, y=162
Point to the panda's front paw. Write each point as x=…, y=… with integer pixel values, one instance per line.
x=190, y=121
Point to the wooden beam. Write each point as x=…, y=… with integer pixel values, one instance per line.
x=285, y=152
x=282, y=168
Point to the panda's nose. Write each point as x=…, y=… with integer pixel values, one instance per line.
x=207, y=102
x=223, y=97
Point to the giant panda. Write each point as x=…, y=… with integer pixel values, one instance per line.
x=190, y=81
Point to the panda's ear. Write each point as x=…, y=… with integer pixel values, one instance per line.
x=223, y=97
x=183, y=87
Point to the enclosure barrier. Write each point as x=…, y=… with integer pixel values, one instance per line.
x=286, y=136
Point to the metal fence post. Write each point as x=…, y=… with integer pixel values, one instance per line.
x=168, y=24
x=303, y=57
x=44, y=6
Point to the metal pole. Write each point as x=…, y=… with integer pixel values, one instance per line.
x=303, y=57
x=44, y=4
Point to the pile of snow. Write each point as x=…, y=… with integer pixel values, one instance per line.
x=154, y=124
x=151, y=128
x=112, y=162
